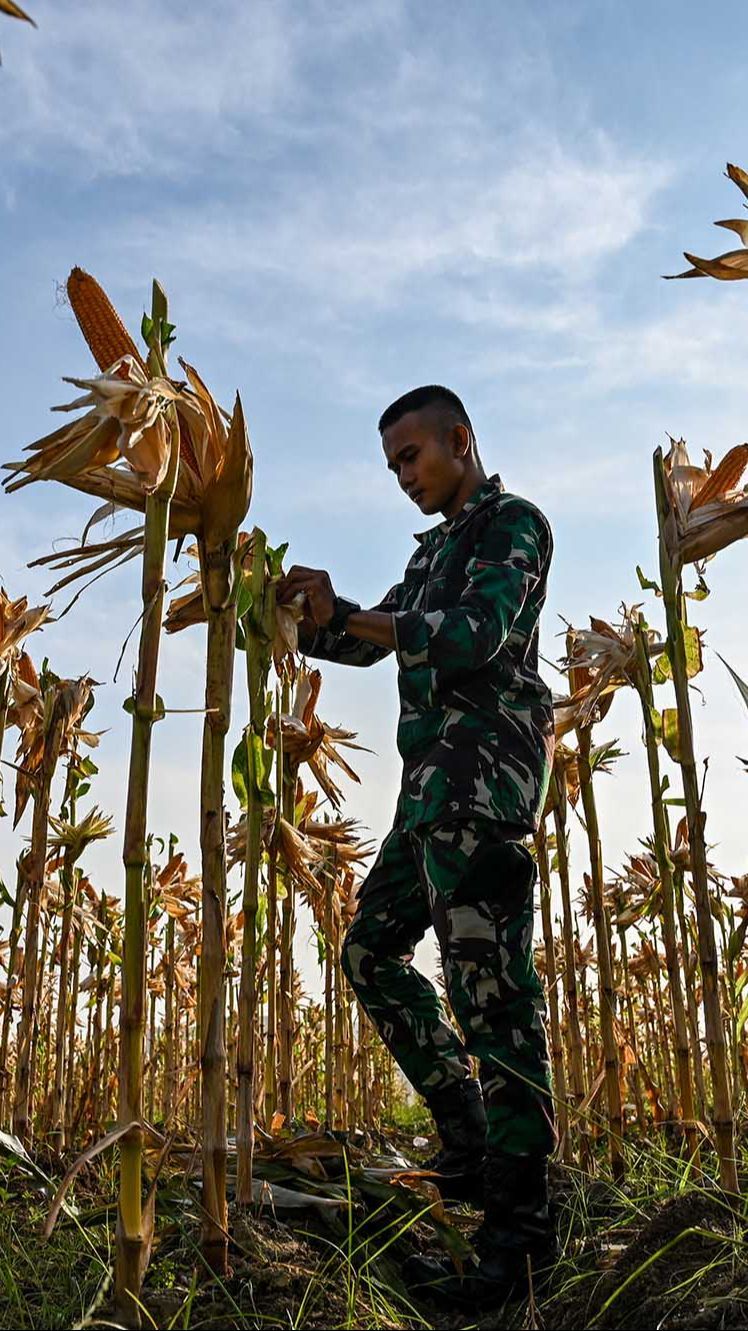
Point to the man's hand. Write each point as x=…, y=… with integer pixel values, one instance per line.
x=317, y=587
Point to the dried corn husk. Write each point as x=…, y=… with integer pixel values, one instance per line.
x=74, y=696
x=17, y=621
x=119, y=450
x=607, y=655
x=708, y=509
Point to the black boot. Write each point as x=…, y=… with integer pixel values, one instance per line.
x=517, y=1232
x=460, y=1119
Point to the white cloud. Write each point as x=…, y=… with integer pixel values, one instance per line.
x=360, y=240
x=697, y=342
x=137, y=88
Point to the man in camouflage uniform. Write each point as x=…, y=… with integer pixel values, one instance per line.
x=476, y=739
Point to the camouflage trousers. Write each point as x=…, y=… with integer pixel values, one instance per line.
x=476, y=889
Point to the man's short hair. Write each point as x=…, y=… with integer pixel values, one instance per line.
x=447, y=404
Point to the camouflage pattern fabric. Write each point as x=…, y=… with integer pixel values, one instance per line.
x=476, y=719
x=476, y=889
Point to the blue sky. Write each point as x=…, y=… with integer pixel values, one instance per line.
x=344, y=201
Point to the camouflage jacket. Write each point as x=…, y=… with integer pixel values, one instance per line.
x=476, y=720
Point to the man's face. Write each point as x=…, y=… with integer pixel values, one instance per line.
x=426, y=459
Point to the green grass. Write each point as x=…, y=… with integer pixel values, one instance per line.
x=346, y=1274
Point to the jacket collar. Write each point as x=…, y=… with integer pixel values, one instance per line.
x=491, y=488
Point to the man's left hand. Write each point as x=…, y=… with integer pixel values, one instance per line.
x=316, y=585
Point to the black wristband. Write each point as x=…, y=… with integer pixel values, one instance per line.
x=341, y=610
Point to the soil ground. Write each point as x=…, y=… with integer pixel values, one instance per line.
x=630, y=1259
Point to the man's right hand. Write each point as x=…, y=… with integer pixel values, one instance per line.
x=318, y=589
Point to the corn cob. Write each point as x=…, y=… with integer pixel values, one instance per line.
x=99, y=322
x=109, y=340
x=186, y=451
x=724, y=478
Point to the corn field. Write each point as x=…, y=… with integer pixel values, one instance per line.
x=168, y=1022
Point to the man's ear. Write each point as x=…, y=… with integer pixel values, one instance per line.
x=460, y=441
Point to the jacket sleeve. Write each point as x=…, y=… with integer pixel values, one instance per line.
x=511, y=555
x=343, y=648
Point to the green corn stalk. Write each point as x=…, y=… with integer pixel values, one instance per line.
x=557, y=1044
x=70, y=1059
x=217, y=570
x=329, y=1047
x=132, y=1241
x=69, y=883
x=576, y=1044
x=672, y=595
x=271, y=1031
x=54, y=724
x=4, y=703
x=643, y=684
x=606, y=985
x=13, y=940
x=257, y=623
x=288, y=925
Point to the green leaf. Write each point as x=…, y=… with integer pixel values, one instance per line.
x=663, y=669
x=82, y=789
x=603, y=756
x=146, y=329
x=275, y=558
x=5, y=898
x=159, y=710
x=743, y=1015
x=240, y=773
x=656, y=720
x=261, y=925
x=251, y=767
x=646, y=583
x=680, y=802
x=262, y=766
x=10, y=1145
x=694, y=658
x=736, y=941
x=742, y=686
x=321, y=947
x=671, y=733
x=244, y=597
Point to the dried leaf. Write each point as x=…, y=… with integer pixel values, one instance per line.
x=89, y=1154
x=738, y=177
x=229, y=490
x=737, y=224
x=15, y=11
x=729, y=267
